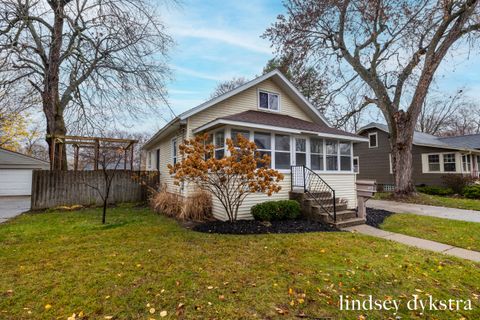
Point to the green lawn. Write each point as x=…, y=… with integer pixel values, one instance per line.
x=449, y=202
x=456, y=233
x=142, y=262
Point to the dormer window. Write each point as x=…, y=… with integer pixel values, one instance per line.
x=268, y=101
x=372, y=140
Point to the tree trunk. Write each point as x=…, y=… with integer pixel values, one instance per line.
x=104, y=214
x=401, y=139
x=51, y=96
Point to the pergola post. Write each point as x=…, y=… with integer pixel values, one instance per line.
x=75, y=161
x=131, y=156
x=96, y=155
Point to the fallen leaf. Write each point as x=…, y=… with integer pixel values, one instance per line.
x=221, y=297
x=210, y=287
x=163, y=314
x=152, y=310
x=48, y=306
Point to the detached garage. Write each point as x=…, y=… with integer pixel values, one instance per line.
x=16, y=173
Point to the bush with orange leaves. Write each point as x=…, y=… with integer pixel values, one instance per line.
x=229, y=179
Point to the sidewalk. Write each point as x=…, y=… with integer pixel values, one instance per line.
x=417, y=242
x=424, y=210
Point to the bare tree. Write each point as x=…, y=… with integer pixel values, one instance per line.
x=392, y=46
x=466, y=121
x=439, y=112
x=91, y=60
x=227, y=85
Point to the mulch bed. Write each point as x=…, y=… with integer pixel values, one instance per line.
x=259, y=227
x=375, y=217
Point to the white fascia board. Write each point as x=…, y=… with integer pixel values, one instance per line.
x=446, y=147
x=250, y=84
x=274, y=128
x=160, y=132
x=371, y=127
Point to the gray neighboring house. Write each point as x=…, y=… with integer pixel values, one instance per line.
x=16, y=172
x=433, y=157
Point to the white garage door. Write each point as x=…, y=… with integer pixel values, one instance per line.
x=15, y=182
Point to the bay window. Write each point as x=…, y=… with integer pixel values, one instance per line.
x=449, y=162
x=263, y=141
x=300, y=151
x=332, y=155
x=316, y=154
x=236, y=132
x=282, y=151
x=345, y=156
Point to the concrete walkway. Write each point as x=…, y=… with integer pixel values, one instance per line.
x=13, y=206
x=417, y=242
x=423, y=210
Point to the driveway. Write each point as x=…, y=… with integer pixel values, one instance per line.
x=13, y=206
x=424, y=210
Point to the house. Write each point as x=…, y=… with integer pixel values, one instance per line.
x=270, y=111
x=433, y=157
x=16, y=172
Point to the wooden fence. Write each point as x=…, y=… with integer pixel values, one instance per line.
x=63, y=188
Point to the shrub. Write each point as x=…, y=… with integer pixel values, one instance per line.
x=457, y=182
x=472, y=192
x=435, y=190
x=197, y=207
x=276, y=210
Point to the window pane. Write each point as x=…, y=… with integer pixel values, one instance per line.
x=356, y=165
x=263, y=100
x=273, y=99
x=282, y=160
x=345, y=148
x=300, y=145
x=449, y=167
x=332, y=163
x=316, y=145
x=261, y=154
x=282, y=142
x=345, y=163
x=316, y=161
x=332, y=147
x=434, y=162
x=235, y=133
x=301, y=159
x=219, y=153
x=449, y=163
x=373, y=140
x=219, y=139
x=262, y=140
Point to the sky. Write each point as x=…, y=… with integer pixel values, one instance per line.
x=217, y=40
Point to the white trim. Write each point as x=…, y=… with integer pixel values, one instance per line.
x=358, y=164
x=274, y=128
x=174, y=148
x=458, y=160
x=250, y=84
x=390, y=163
x=376, y=140
x=259, y=90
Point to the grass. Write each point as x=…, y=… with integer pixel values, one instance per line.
x=441, y=201
x=456, y=233
x=140, y=261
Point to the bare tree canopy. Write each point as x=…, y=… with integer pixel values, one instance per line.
x=227, y=85
x=86, y=61
x=392, y=47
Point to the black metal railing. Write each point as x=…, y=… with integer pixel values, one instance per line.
x=315, y=187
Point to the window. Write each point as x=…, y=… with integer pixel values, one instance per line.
x=373, y=140
x=268, y=101
x=466, y=161
x=158, y=160
x=449, y=162
x=356, y=164
x=219, y=144
x=282, y=151
x=332, y=155
x=316, y=154
x=264, y=143
x=149, y=159
x=433, y=162
x=236, y=132
x=345, y=156
x=300, y=151
x=174, y=151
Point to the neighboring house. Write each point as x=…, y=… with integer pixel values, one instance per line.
x=433, y=157
x=16, y=173
x=272, y=112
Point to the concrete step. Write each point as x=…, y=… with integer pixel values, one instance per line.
x=341, y=216
x=350, y=223
x=317, y=209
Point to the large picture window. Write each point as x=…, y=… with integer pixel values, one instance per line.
x=316, y=154
x=345, y=156
x=332, y=155
x=282, y=151
x=263, y=141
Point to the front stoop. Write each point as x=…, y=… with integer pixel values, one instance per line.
x=312, y=210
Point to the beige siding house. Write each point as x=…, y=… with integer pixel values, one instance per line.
x=270, y=111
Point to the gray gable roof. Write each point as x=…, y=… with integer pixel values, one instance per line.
x=425, y=139
x=15, y=160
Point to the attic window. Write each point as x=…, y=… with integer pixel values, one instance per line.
x=268, y=101
x=372, y=140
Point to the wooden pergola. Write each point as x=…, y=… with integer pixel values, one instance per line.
x=78, y=142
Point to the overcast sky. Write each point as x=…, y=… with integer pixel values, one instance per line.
x=217, y=40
